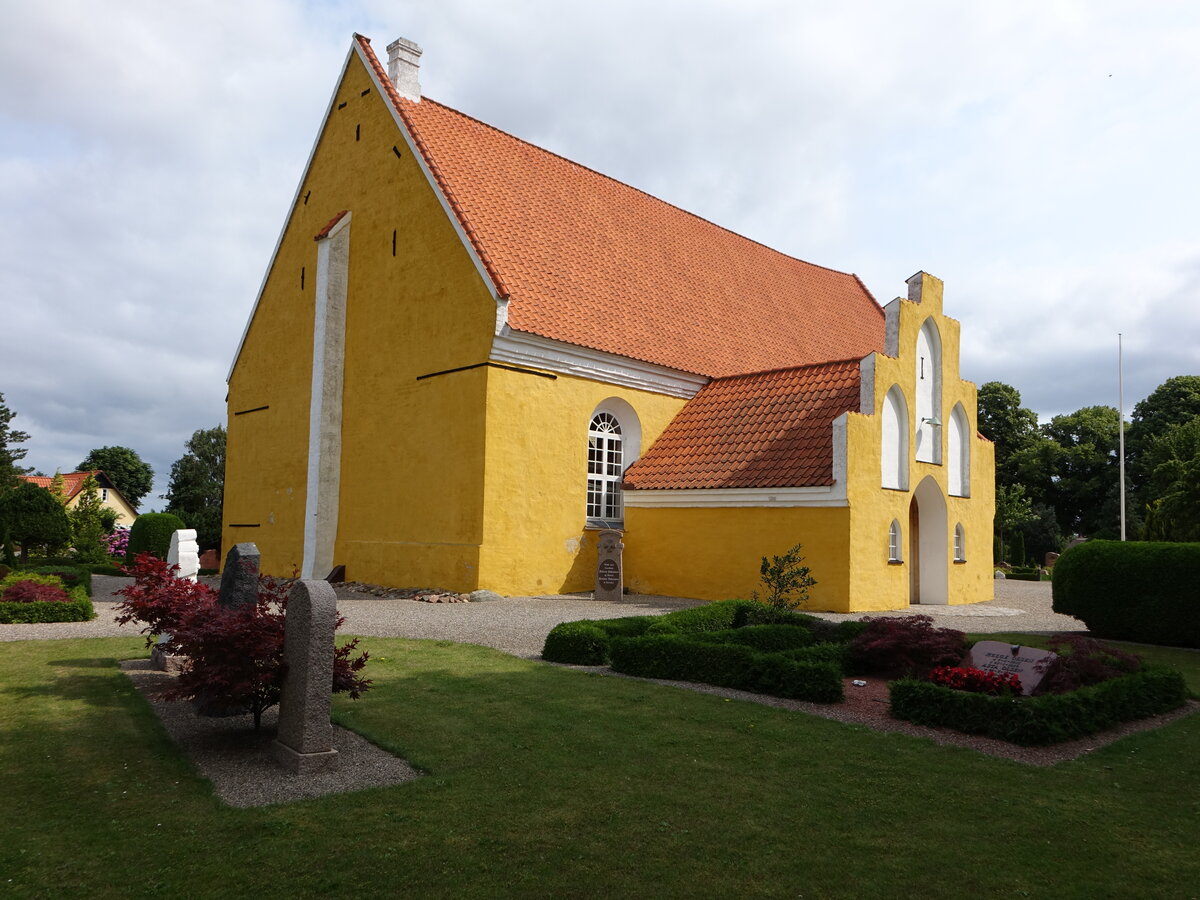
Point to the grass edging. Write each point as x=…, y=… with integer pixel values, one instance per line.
x=1038, y=721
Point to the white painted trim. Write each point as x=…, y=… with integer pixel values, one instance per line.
x=323, y=491
x=833, y=495
x=287, y=220
x=437, y=191
x=518, y=348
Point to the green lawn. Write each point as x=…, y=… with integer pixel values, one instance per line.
x=545, y=781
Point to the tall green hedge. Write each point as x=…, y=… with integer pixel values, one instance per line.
x=151, y=533
x=1132, y=591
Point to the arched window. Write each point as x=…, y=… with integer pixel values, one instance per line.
x=604, y=470
x=929, y=394
x=960, y=543
x=958, y=454
x=895, y=553
x=894, y=440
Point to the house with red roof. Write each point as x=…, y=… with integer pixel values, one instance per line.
x=469, y=356
x=72, y=486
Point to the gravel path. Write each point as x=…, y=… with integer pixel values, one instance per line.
x=519, y=625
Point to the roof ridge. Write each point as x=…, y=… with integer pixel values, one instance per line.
x=645, y=193
x=855, y=360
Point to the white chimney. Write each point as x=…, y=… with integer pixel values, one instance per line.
x=404, y=63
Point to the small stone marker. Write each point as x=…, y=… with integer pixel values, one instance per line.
x=185, y=553
x=210, y=560
x=609, y=574
x=305, y=741
x=994, y=656
x=239, y=581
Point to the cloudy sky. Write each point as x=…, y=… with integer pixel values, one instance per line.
x=1040, y=157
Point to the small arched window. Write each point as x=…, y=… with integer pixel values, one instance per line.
x=958, y=454
x=894, y=546
x=604, y=470
x=893, y=451
x=929, y=394
x=960, y=543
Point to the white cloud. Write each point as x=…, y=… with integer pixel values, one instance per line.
x=1038, y=157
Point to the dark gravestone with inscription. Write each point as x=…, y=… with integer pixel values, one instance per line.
x=239, y=580
x=609, y=577
x=1027, y=663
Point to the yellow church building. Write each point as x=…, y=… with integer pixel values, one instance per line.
x=469, y=355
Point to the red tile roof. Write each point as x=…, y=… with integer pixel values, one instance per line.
x=72, y=481
x=764, y=430
x=590, y=261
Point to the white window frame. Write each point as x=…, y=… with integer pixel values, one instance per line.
x=960, y=543
x=605, y=469
x=895, y=542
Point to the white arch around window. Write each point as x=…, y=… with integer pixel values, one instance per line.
x=893, y=428
x=614, y=443
x=958, y=453
x=929, y=394
x=895, y=546
x=960, y=543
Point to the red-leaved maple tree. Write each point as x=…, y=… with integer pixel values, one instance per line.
x=234, y=654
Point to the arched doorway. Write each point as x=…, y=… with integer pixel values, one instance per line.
x=927, y=545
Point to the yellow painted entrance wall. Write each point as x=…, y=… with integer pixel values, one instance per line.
x=875, y=584
x=412, y=451
x=535, y=496
x=715, y=553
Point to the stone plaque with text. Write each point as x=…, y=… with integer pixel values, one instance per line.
x=994, y=656
x=609, y=580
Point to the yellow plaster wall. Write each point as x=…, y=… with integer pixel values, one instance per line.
x=877, y=585
x=411, y=458
x=535, y=494
x=714, y=553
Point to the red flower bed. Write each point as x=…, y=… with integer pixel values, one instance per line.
x=965, y=678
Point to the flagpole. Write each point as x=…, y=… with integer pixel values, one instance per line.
x=1121, y=426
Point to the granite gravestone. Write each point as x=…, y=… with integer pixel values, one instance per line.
x=609, y=574
x=184, y=552
x=239, y=580
x=305, y=741
x=1027, y=663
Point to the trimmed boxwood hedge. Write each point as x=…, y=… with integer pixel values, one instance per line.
x=78, y=610
x=1132, y=591
x=682, y=658
x=585, y=642
x=1047, y=719
x=763, y=638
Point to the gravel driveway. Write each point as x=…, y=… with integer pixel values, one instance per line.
x=519, y=625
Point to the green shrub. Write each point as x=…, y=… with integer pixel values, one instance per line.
x=576, y=643
x=71, y=576
x=4, y=570
x=823, y=652
x=682, y=658
x=151, y=533
x=78, y=609
x=755, y=613
x=1133, y=591
x=764, y=638
x=98, y=569
x=710, y=617
x=585, y=642
x=1047, y=719
x=786, y=580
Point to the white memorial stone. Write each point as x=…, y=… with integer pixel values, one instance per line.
x=185, y=553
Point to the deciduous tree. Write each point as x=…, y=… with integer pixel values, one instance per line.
x=197, y=486
x=128, y=471
x=33, y=518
